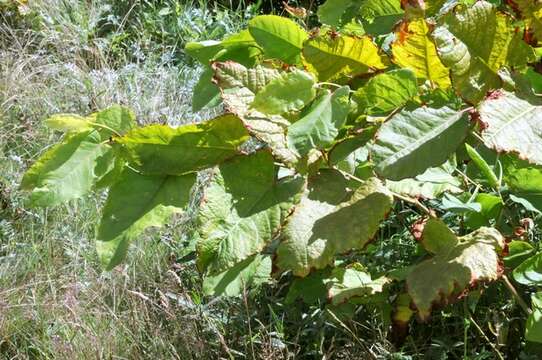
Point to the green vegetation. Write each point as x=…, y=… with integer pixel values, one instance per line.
x=326, y=187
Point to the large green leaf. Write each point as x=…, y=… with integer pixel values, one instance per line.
x=415, y=50
x=337, y=285
x=243, y=209
x=386, y=92
x=247, y=274
x=436, y=237
x=352, y=147
x=529, y=272
x=331, y=220
x=332, y=57
x=483, y=30
x=160, y=149
x=321, y=123
x=475, y=42
x=413, y=141
x=136, y=202
x=490, y=209
x=311, y=289
x=68, y=170
x=472, y=78
x=373, y=12
x=239, y=86
x=374, y=9
x=518, y=252
x=288, y=92
x=82, y=160
x=279, y=37
x=458, y=263
x=513, y=124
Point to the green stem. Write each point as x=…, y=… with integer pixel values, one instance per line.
x=516, y=295
x=399, y=196
x=481, y=331
x=329, y=84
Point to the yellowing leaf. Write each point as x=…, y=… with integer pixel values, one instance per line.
x=331, y=57
x=68, y=122
x=415, y=50
x=476, y=42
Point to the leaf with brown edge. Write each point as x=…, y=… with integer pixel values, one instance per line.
x=330, y=220
x=513, y=124
x=458, y=264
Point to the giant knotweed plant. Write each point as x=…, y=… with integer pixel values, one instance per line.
x=429, y=104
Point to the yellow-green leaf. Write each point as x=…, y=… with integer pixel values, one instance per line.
x=332, y=57
x=160, y=149
x=68, y=122
x=288, y=92
x=415, y=50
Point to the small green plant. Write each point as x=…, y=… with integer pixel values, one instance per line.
x=430, y=106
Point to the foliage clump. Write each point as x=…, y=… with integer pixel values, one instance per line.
x=428, y=105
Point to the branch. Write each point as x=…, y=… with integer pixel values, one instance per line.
x=399, y=196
